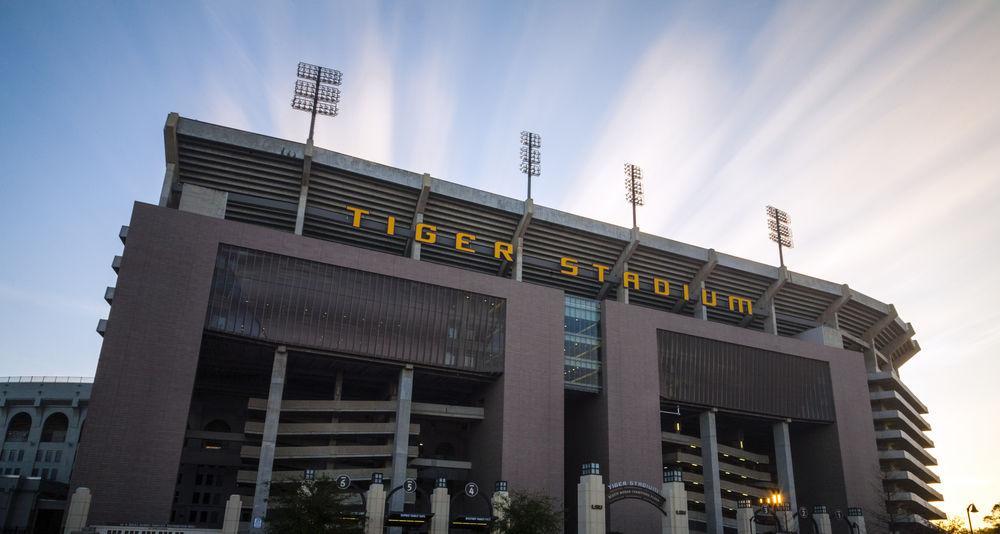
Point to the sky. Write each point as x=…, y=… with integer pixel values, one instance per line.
x=876, y=125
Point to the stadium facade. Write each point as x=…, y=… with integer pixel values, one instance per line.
x=288, y=310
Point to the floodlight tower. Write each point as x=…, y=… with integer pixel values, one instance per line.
x=531, y=143
x=633, y=188
x=781, y=233
x=316, y=92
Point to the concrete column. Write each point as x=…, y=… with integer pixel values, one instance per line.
x=401, y=441
x=857, y=517
x=590, y=502
x=263, y=490
x=783, y=464
x=375, y=509
x=771, y=321
x=231, y=519
x=414, y=244
x=501, y=499
x=710, y=471
x=786, y=516
x=871, y=360
x=300, y=214
x=519, y=259
x=440, y=507
x=744, y=517
x=79, y=509
x=675, y=506
x=822, y=518
x=700, y=311
x=622, y=290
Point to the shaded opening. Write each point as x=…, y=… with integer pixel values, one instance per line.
x=18, y=428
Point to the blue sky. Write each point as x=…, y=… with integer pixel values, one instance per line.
x=876, y=125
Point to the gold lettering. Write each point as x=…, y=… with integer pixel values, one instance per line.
x=390, y=225
x=704, y=298
x=462, y=241
x=358, y=212
x=426, y=233
x=503, y=248
x=601, y=269
x=735, y=302
x=661, y=287
x=630, y=280
x=569, y=266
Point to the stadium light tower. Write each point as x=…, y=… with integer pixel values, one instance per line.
x=316, y=92
x=531, y=143
x=633, y=188
x=781, y=233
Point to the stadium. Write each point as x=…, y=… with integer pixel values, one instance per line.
x=287, y=309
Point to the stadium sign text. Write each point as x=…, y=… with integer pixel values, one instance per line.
x=502, y=250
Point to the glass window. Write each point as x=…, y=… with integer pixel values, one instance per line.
x=582, y=344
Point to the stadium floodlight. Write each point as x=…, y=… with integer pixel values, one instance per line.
x=531, y=143
x=315, y=92
x=633, y=188
x=780, y=232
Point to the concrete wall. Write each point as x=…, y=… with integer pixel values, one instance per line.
x=146, y=372
x=631, y=374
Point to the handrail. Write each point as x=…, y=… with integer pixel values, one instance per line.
x=47, y=379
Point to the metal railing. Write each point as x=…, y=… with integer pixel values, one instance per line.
x=47, y=379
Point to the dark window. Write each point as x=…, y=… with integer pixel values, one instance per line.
x=283, y=299
x=706, y=372
x=18, y=428
x=54, y=430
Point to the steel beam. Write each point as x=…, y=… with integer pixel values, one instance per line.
x=763, y=303
x=619, y=268
x=880, y=325
x=698, y=282
x=829, y=315
x=898, y=341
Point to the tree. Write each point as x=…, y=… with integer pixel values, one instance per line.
x=529, y=513
x=310, y=507
x=955, y=525
x=992, y=521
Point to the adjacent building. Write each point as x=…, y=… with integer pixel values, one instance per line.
x=287, y=311
x=42, y=418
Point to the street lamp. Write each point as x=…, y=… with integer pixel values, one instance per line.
x=781, y=233
x=633, y=188
x=315, y=92
x=969, y=510
x=531, y=143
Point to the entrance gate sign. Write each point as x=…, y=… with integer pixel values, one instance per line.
x=630, y=489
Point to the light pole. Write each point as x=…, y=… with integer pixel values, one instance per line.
x=969, y=510
x=531, y=143
x=633, y=188
x=781, y=233
x=315, y=92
